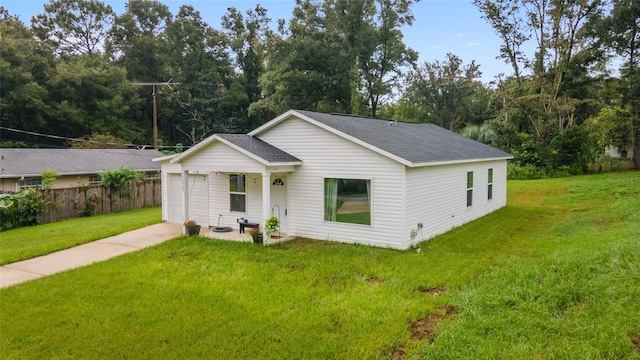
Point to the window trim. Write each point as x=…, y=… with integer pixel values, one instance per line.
x=30, y=183
x=370, y=199
x=469, y=188
x=243, y=193
x=93, y=181
x=490, y=184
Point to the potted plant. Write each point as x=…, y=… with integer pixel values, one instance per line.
x=256, y=235
x=271, y=226
x=191, y=228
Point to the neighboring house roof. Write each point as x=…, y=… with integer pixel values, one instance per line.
x=253, y=147
x=31, y=162
x=413, y=144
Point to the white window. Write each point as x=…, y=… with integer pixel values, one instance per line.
x=490, y=184
x=347, y=200
x=237, y=193
x=151, y=176
x=469, y=188
x=94, y=180
x=30, y=182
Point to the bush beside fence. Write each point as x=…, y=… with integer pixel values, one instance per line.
x=71, y=203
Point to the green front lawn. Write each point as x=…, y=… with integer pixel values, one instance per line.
x=555, y=274
x=28, y=242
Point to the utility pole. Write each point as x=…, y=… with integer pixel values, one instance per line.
x=155, y=112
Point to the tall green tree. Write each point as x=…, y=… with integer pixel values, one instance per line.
x=247, y=36
x=370, y=31
x=74, y=26
x=136, y=39
x=306, y=70
x=24, y=66
x=137, y=43
x=382, y=65
x=444, y=91
x=90, y=95
x=197, y=59
x=619, y=33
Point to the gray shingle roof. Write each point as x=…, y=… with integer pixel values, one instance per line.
x=413, y=142
x=31, y=162
x=259, y=148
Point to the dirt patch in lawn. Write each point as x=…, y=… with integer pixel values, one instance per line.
x=374, y=281
x=425, y=328
x=420, y=329
x=635, y=339
x=295, y=267
x=432, y=291
x=393, y=353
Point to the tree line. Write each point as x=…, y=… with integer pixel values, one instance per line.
x=75, y=72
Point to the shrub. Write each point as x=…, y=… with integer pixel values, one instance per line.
x=525, y=172
x=49, y=177
x=88, y=204
x=21, y=209
x=119, y=180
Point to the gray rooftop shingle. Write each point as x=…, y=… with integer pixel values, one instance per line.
x=31, y=162
x=413, y=142
x=259, y=148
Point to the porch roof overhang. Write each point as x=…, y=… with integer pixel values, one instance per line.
x=253, y=147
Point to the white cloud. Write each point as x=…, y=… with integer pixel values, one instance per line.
x=472, y=44
x=460, y=35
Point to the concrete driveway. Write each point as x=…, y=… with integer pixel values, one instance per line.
x=86, y=254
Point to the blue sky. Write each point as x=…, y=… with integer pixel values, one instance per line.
x=440, y=26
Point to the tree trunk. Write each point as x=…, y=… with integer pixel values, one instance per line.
x=636, y=145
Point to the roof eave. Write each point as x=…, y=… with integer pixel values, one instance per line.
x=164, y=158
x=285, y=163
x=455, y=162
x=274, y=122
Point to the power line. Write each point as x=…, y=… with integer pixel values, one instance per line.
x=62, y=137
x=81, y=140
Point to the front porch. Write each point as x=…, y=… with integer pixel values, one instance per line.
x=235, y=235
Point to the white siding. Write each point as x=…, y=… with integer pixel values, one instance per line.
x=197, y=195
x=437, y=196
x=221, y=157
x=327, y=155
x=219, y=202
x=166, y=186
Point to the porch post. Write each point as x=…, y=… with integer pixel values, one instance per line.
x=185, y=198
x=266, y=203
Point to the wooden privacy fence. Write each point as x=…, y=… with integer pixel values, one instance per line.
x=68, y=203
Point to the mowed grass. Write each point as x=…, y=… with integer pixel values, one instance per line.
x=28, y=242
x=555, y=274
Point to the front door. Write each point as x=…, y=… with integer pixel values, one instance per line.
x=279, y=201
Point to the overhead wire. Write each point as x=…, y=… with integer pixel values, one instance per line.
x=85, y=140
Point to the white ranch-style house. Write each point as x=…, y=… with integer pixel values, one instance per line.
x=337, y=177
